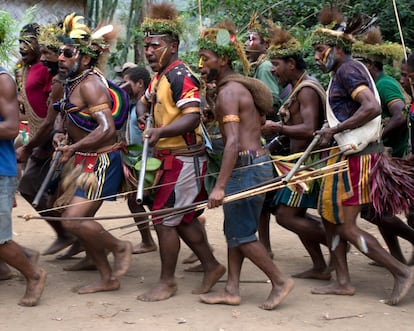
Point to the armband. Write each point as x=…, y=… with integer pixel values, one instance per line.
x=231, y=118
x=100, y=107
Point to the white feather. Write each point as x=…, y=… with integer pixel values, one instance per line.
x=102, y=31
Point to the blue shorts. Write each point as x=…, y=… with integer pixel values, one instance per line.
x=7, y=191
x=108, y=171
x=241, y=216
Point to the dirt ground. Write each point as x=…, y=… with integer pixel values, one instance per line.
x=61, y=308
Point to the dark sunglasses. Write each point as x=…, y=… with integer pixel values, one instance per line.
x=67, y=52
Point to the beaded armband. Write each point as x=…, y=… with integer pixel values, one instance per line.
x=231, y=118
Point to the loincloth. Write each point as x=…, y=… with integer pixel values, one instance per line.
x=349, y=188
x=92, y=175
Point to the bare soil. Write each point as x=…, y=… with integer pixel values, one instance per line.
x=61, y=308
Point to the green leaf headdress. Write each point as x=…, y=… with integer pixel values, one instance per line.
x=222, y=41
x=162, y=20
x=373, y=48
x=8, y=27
x=283, y=45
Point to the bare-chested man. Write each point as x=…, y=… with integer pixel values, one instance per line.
x=240, y=122
x=10, y=252
x=302, y=114
x=90, y=128
x=352, y=103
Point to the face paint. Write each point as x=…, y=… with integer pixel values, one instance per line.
x=328, y=61
x=200, y=62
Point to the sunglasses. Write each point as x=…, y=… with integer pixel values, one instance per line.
x=67, y=52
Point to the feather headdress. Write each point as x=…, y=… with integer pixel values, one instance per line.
x=372, y=47
x=263, y=27
x=93, y=43
x=283, y=45
x=48, y=36
x=163, y=20
x=222, y=41
x=334, y=31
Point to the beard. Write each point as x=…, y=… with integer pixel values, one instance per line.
x=212, y=75
x=71, y=72
x=52, y=66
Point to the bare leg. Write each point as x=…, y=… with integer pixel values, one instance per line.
x=169, y=246
x=194, y=236
x=264, y=231
x=312, y=235
x=193, y=257
x=147, y=244
x=5, y=272
x=13, y=254
x=97, y=242
x=64, y=239
x=73, y=250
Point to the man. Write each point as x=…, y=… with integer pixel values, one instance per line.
x=137, y=78
x=303, y=114
x=38, y=100
x=240, y=120
x=10, y=252
x=92, y=149
x=351, y=104
x=374, y=54
x=177, y=142
x=257, y=43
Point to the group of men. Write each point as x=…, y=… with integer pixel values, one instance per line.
x=80, y=121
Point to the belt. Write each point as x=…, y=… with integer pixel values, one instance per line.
x=247, y=157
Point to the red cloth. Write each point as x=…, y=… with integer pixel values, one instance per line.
x=38, y=86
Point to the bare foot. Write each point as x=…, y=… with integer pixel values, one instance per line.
x=222, y=297
x=401, y=287
x=334, y=288
x=100, y=286
x=34, y=289
x=161, y=292
x=190, y=259
x=73, y=250
x=58, y=245
x=122, y=259
x=210, y=279
x=277, y=295
x=85, y=264
x=142, y=248
x=196, y=268
x=313, y=274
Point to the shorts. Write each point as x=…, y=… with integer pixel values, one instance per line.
x=7, y=192
x=241, y=216
x=287, y=197
x=108, y=172
x=178, y=187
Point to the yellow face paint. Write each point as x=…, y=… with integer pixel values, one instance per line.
x=200, y=62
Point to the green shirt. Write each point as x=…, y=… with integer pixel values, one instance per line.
x=389, y=90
